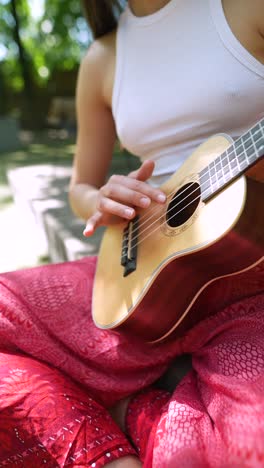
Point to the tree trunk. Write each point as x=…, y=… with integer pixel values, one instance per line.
x=23, y=59
x=3, y=100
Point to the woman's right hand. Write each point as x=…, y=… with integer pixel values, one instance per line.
x=121, y=195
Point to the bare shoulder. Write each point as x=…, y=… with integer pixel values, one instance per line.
x=101, y=50
x=98, y=64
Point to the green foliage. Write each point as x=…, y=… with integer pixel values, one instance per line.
x=53, y=40
x=63, y=34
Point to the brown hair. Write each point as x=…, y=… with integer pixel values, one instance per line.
x=102, y=15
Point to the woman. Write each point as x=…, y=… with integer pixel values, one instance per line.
x=170, y=75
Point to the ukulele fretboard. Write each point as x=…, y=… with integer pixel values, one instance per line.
x=239, y=157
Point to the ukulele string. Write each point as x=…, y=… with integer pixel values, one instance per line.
x=175, y=214
x=146, y=217
x=182, y=200
x=165, y=222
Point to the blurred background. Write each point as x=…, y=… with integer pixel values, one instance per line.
x=41, y=45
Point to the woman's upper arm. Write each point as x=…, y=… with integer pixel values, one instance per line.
x=96, y=129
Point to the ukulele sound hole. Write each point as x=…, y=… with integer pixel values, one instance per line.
x=183, y=204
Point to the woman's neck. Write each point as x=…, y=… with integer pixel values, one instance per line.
x=146, y=7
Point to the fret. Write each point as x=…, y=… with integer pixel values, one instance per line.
x=254, y=152
x=251, y=153
x=260, y=148
x=245, y=149
x=246, y=139
x=259, y=139
x=222, y=168
x=239, y=148
x=205, y=182
x=212, y=173
x=234, y=167
x=225, y=167
x=255, y=155
x=217, y=176
x=219, y=168
x=258, y=134
x=228, y=156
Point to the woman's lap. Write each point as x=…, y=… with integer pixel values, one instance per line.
x=46, y=330
x=47, y=420
x=46, y=313
x=213, y=413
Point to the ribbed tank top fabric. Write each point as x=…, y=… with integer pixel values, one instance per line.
x=182, y=76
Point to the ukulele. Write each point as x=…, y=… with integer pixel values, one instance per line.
x=151, y=270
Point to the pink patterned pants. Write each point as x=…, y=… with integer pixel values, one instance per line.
x=59, y=375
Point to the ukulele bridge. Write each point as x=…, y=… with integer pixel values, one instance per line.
x=129, y=247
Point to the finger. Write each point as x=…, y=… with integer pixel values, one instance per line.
x=144, y=172
x=109, y=206
x=93, y=222
x=138, y=186
x=124, y=195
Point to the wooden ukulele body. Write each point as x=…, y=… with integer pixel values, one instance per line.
x=223, y=236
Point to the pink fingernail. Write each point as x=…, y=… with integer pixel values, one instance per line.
x=161, y=198
x=129, y=213
x=88, y=230
x=145, y=202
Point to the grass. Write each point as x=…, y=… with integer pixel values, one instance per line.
x=6, y=200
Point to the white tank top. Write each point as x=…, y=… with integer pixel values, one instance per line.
x=182, y=76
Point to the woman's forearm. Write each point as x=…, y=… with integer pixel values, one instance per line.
x=82, y=199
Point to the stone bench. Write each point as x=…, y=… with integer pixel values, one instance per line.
x=41, y=196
